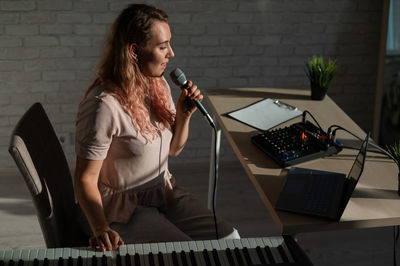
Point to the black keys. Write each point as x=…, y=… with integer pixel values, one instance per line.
x=70, y=262
x=260, y=255
x=151, y=259
x=247, y=256
x=127, y=260
x=174, y=258
x=206, y=257
x=118, y=260
x=160, y=259
x=183, y=259
x=269, y=255
x=230, y=257
x=79, y=261
x=192, y=258
x=104, y=260
x=215, y=256
x=137, y=259
x=94, y=261
x=283, y=254
x=239, y=259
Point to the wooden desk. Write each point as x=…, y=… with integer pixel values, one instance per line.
x=374, y=203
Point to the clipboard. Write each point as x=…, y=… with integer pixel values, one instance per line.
x=265, y=114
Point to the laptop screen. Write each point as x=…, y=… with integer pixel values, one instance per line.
x=354, y=174
x=358, y=165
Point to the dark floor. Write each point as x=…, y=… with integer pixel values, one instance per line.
x=237, y=202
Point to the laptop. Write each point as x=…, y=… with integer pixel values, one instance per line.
x=321, y=193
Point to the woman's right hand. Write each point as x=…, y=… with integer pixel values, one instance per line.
x=105, y=239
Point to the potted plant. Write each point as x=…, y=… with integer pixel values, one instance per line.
x=394, y=151
x=320, y=75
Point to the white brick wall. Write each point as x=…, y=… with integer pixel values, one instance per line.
x=49, y=50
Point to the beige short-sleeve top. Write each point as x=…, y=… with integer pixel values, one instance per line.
x=104, y=131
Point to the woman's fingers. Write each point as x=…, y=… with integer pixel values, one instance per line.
x=115, y=239
x=106, y=240
x=96, y=245
x=194, y=92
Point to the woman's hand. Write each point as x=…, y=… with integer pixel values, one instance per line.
x=105, y=239
x=185, y=106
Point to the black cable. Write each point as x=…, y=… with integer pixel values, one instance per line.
x=215, y=182
x=371, y=143
x=354, y=148
x=315, y=120
x=342, y=128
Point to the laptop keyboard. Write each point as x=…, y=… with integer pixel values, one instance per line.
x=320, y=194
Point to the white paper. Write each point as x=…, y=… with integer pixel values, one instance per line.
x=265, y=114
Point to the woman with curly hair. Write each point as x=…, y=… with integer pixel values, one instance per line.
x=126, y=128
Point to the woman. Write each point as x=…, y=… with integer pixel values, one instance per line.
x=127, y=126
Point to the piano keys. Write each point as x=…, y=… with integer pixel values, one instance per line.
x=281, y=250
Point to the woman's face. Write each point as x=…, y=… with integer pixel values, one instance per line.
x=153, y=58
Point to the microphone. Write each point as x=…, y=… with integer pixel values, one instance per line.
x=179, y=78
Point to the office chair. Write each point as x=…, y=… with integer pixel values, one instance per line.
x=42, y=163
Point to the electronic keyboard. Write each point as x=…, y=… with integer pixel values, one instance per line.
x=246, y=251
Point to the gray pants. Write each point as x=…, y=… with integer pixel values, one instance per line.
x=183, y=218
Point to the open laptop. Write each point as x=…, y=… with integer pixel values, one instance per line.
x=321, y=193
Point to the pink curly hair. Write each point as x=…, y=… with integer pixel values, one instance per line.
x=123, y=77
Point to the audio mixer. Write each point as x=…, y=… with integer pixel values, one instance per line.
x=295, y=144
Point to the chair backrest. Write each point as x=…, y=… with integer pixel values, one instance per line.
x=41, y=160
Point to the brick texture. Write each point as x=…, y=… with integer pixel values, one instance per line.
x=49, y=50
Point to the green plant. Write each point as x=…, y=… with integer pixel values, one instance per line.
x=394, y=151
x=319, y=74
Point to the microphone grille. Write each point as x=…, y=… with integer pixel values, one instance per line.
x=178, y=77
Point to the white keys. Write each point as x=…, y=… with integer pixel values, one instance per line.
x=250, y=249
x=146, y=250
x=110, y=255
x=199, y=253
x=154, y=251
x=74, y=255
x=2, y=255
x=32, y=255
x=65, y=254
x=261, y=244
x=41, y=255
x=83, y=253
x=50, y=256
x=25, y=256
x=139, y=251
x=57, y=254
x=163, y=249
x=178, y=249
x=220, y=251
x=123, y=251
x=8, y=255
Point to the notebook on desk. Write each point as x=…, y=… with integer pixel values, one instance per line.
x=321, y=193
x=265, y=114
